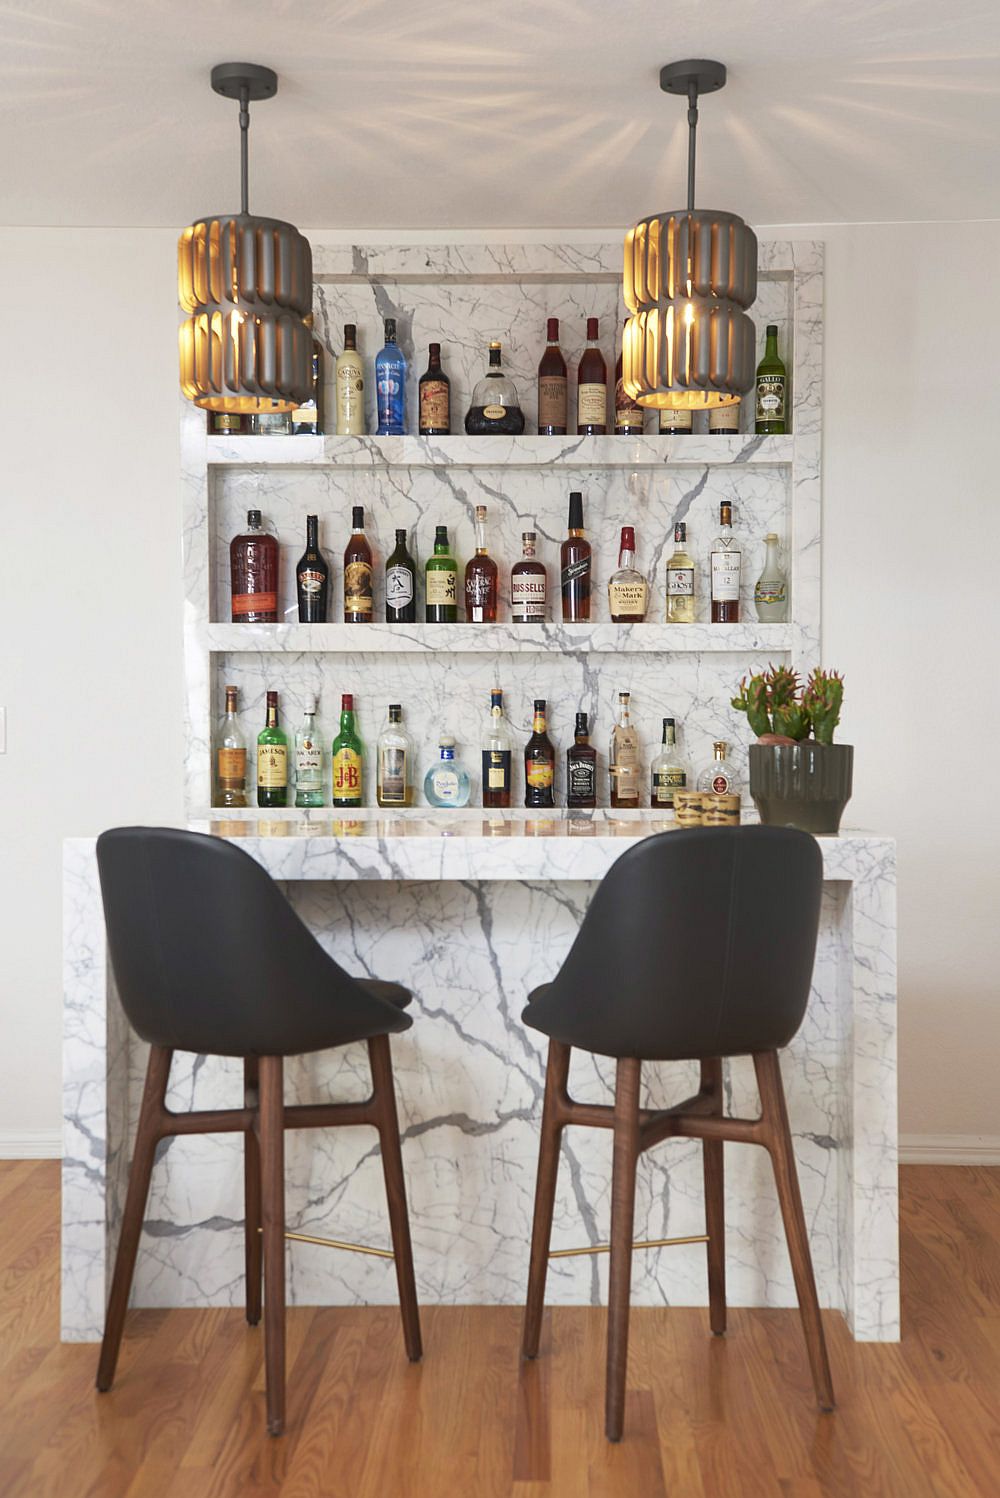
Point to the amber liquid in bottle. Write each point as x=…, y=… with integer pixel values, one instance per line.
x=481, y=575
x=253, y=565
x=539, y=762
x=574, y=561
x=358, y=573
x=592, y=387
x=552, y=386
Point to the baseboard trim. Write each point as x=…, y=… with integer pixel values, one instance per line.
x=30, y=1144
x=949, y=1149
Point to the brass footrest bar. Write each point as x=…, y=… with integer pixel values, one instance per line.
x=605, y=1248
x=350, y=1248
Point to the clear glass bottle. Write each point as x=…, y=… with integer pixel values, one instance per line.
x=726, y=564
x=539, y=761
x=441, y=581
x=717, y=776
x=272, y=758
x=770, y=594
x=772, y=388
x=394, y=762
x=623, y=758
x=496, y=406
x=481, y=578
x=308, y=760
x=627, y=586
x=350, y=382
x=447, y=782
x=667, y=773
x=529, y=582
x=581, y=766
x=347, y=758
x=390, y=385
x=230, y=758
x=307, y=419
x=496, y=755
x=680, y=580
x=271, y=423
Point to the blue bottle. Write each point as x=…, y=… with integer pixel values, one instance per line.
x=390, y=385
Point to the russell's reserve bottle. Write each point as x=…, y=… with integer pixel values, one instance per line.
x=441, y=581
x=529, y=583
x=627, y=586
x=552, y=386
x=496, y=755
x=394, y=761
x=581, y=766
x=308, y=760
x=272, y=758
x=253, y=568
x=350, y=382
x=481, y=578
x=307, y=419
x=772, y=388
x=400, y=584
x=358, y=602
x=770, y=594
x=575, y=566
x=623, y=758
x=667, y=773
x=390, y=385
x=629, y=415
x=539, y=762
x=312, y=578
x=592, y=387
x=230, y=758
x=726, y=565
x=347, y=758
x=496, y=406
x=680, y=580
x=434, y=397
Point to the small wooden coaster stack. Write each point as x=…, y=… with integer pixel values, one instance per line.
x=706, y=809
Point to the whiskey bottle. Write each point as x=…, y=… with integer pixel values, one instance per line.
x=627, y=586
x=308, y=760
x=230, y=758
x=307, y=419
x=227, y=423
x=390, y=385
x=716, y=778
x=552, y=386
x=358, y=572
x=253, y=569
x=347, y=758
x=581, y=766
x=496, y=408
x=394, y=763
x=312, y=578
x=623, y=758
x=441, y=581
x=680, y=580
x=496, y=755
x=350, y=386
x=592, y=387
x=772, y=388
x=539, y=762
x=726, y=562
x=529, y=584
x=481, y=578
x=447, y=783
x=272, y=759
x=400, y=584
x=724, y=421
x=271, y=422
x=770, y=594
x=675, y=423
x=667, y=773
x=434, y=397
x=574, y=561
x=629, y=415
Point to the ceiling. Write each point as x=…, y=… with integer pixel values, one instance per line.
x=450, y=113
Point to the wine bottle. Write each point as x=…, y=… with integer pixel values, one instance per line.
x=771, y=388
x=552, y=386
x=592, y=387
x=307, y=419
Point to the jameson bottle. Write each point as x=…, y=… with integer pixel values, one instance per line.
x=592, y=387
x=308, y=760
x=253, y=567
x=574, y=560
x=272, y=759
x=628, y=413
x=390, y=385
x=667, y=774
x=347, y=758
x=496, y=755
x=434, y=397
x=552, y=386
x=441, y=581
x=539, y=762
x=358, y=572
x=581, y=766
x=771, y=388
x=481, y=578
x=307, y=419
x=350, y=382
x=395, y=761
x=312, y=578
x=623, y=759
x=231, y=758
x=400, y=584
x=528, y=585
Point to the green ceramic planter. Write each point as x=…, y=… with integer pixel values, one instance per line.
x=803, y=785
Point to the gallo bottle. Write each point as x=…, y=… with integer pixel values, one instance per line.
x=347, y=758
x=772, y=385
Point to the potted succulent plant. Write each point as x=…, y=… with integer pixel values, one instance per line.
x=798, y=776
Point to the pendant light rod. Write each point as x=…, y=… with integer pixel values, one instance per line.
x=692, y=77
x=244, y=81
x=245, y=149
x=692, y=140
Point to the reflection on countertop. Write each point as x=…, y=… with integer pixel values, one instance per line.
x=371, y=823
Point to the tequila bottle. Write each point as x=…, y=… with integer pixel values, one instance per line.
x=680, y=580
x=348, y=758
x=770, y=595
x=395, y=756
x=231, y=758
x=623, y=759
x=308, y=760
x=272, y=759
x=667, y=772
x=447, y=782
x=496, y=755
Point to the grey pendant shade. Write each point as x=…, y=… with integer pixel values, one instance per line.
x=689, y=275
x=246, y=284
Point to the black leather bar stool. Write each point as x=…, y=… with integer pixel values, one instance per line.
x=208, y=956
x=699, y=944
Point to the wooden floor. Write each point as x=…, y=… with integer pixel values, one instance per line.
x=706, y=1418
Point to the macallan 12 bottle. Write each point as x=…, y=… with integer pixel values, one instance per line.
x=623, y=759
x=347, y=758
x=552, y=386
x=627, y=586
x=592, y=387
x=434, y=397
x=575, y=560
x=481, y=577
x=358, y=572
x=272, y=759
x=312, y=577
x=539, y=762
x=231, y=758
x=253, y=567
x=629, y=415
x=496, y=755
x=528, y=585
x=581, y=766
x=400, y=584
x=726, y=562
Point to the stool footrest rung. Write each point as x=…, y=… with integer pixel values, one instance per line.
x=605, y=1248
x=350, y=1248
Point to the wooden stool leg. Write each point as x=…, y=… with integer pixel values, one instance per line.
x=253, y=1255
x=779, y=1145
x=272, y=1153
x=395, y=1191
x=715, y=1205
x=146, y=1139
x=556, y=1081
x=626, y=1154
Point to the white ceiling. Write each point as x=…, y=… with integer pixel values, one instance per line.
x=466, y=113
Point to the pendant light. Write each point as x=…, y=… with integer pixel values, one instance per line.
x=689, y=275
x=246, y=284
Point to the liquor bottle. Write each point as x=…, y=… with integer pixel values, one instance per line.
x=272, y=759
x=592, y=387
x=623, y=758
x=271, y=423
x=307, y=419
x=574, y=561
x=350, y=386
x=227, y=423
x=447, y=782
x=680, y=580
x=552, y=386
x=441, y=581
x=400, y=584
x=496, y=407
x=770, y=594
x=231, y=758
x=529, y=583
x=312, y=577
x=726, y=562
x=253, y=570
x=724, y=420
x=434, y=397
x=390, y=385
x=772, y=388
x=496, y=755
x=675, y=423
x=629, y=415
x=667, y=773
x=481, y=577
x=716, y=778
x=358, y=572
x=394, y=762
x=627, y=587
x=539, y=762
x=347, y=758
x=308, y=760
x=581, y=766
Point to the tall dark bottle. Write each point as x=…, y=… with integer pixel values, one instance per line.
x=434, y=397
x=539, y=762
x=552, y=386
x=575, y=559
x=358, y=573
x=592, y=387
x=400, y=583
x=312, y=578
x=581, y=766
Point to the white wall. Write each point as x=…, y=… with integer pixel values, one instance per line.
x=91, y=601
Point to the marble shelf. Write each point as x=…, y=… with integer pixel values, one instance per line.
x=492, y=639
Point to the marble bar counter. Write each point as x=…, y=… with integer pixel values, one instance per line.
x=471, y=910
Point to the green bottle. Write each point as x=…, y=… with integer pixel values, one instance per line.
x=348, y=755
x=441, y=579
x=272, y=759
x=772, y=385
